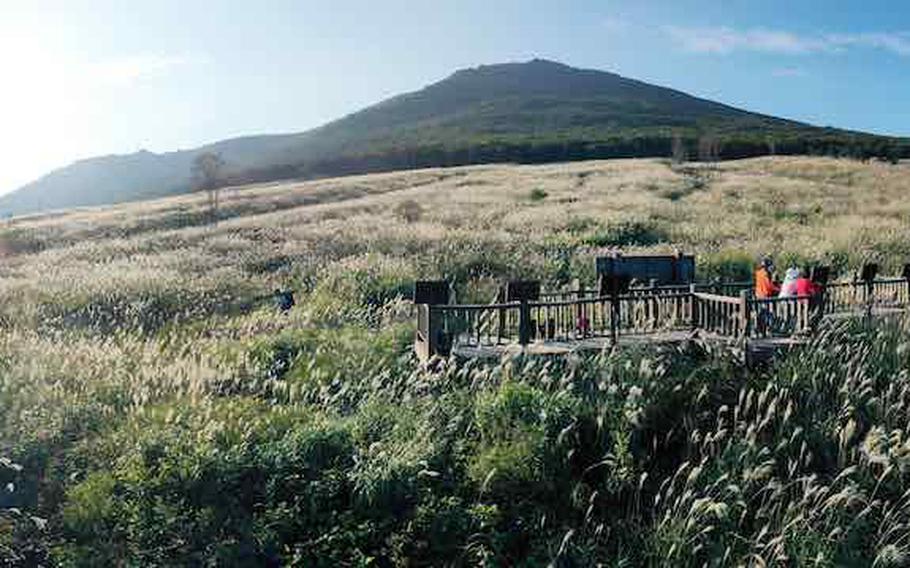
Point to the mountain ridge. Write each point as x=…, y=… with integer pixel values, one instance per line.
x=536, y=111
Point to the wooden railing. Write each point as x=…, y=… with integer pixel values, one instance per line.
x=644, y=311
x=644, y=314
x=881, y=293
x=441, y=327
x=718, y=288
x=474, y=325
x=569, y=320
x=609, y=316
x=722, y=315
x=783, y=316
x=889, y=292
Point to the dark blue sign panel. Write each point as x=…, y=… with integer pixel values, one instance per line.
x=662, y=269
x=433, y=292
x=870, y=271
x=523, y=290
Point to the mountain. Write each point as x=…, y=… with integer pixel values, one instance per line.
x=537, y=111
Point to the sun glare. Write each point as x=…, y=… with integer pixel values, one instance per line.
x=39, y=106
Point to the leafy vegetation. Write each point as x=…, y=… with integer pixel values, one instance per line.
x=156, y=409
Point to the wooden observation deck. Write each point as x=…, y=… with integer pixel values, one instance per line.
x=565, y=322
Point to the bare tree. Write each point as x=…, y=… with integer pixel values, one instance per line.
x=708, y=148
x=772, y=146
x=679, y=149
x=207, y=170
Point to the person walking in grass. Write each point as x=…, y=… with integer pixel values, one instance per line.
x=284, y=300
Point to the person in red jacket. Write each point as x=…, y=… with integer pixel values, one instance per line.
x=806, y=287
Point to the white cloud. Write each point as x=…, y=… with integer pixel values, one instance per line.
x=898, y=43
x=723, y=40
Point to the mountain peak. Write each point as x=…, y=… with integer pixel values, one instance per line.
x=536, y=66
x=532, y=111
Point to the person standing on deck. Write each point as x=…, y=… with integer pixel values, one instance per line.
x=765, y=287
x=805, y=286
x=814, y=291
x=788, y=289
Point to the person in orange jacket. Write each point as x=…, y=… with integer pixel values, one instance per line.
x=765, y=289
x=765, y=286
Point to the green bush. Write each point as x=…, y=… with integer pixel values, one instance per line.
x=730, y=265
x=314, y=357
x=537, y=194
x=655, y=457
x=628, y=234
x=359, y=293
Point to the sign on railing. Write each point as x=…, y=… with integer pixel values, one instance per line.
x=431, y=292
x=617, y=272
x=523, y=291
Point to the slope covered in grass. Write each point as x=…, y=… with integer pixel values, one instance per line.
x=155, y=409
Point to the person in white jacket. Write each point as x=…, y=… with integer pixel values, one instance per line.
x=788, y=287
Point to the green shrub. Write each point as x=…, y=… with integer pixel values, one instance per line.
x=520, y=450
x=173, y=497
x=311, y=358
x=578, y=225
x=537, y=194
x=653, y=457
x=358, y=294
x=20, y=241
x=729, y=265
x=628, y=234
x=409, y=211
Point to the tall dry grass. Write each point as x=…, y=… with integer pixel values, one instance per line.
x=155, y=405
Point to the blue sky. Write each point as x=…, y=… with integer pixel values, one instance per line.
x=84, y=78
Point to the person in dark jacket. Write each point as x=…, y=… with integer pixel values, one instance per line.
x=284, y=300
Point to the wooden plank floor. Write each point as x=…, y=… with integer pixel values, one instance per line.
x=757, y=350
x=565, y=347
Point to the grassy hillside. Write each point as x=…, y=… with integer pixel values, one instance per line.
x=156, y=410
x=534, y=112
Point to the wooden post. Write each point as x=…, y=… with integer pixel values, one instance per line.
x=422, y=337
x=614, y=317
x=745, y=311
x=870, y=295
x=430, y=335
x=501, y=298
x=582, y=320
x=693, y=299
x=906, y=274
x=578, y=310
x=524, y=323
x=654, y=304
